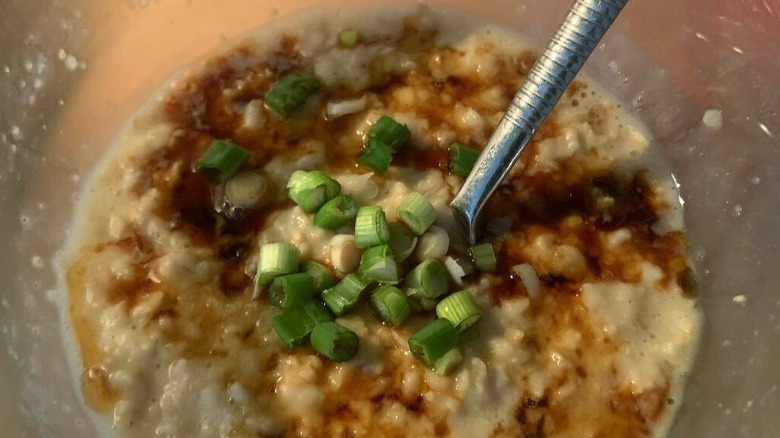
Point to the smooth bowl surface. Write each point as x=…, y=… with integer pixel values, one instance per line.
x=74, y=71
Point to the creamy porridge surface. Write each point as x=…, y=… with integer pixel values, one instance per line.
x=160, y=273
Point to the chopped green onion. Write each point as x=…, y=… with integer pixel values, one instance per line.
x=460, y=308
x=429, y=279
x=530, y=279
x=291, y=290
x=344, y=296
x=247, y=190
x=433, y=341
x=376, y=156
x=222, y=159
x=336, y=213
x=349, y=38
x=484, y=257
x=402, y=240
x=462, y=159
x=312, y=189
x=389, y=132
x=294, y=325
x=378, y=264
x=322, y=276
x=371, y=227
x=275, y=259
x=335, y=341
x=433, y=244
x=292, y=91
x=447, y=363
x=317, y=311
x=417, y=212
x=391, y=304
x=458, y=268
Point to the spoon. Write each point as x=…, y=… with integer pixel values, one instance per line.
x=581, y=30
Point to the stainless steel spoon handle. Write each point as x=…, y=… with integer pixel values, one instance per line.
x=582, y=29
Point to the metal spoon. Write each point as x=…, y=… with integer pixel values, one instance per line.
x=581, y=30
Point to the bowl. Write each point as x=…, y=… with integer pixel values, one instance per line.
x=704, y=78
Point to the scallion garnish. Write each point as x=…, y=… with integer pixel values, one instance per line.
x=389, y=132
x=433, y=244
x=322, y=276
x=391, y=304
x=317, y=311
x=460, y=308
x=275, y=259
x=222, y=159
x=349, y=38
x=402, y=240
x=376, y=156
x=484, y=257
x=459, y=267
x=335, y=341
x=344, y=296
x=447, y=363
x=429, y=279
x=433, y=341
x=336, y=213
x=291, y=290
x=312, y=189
x=371, y=227
x=294, y=325
x=462, y=159
x=292, y=91
x=378, y=264
x=417, y=212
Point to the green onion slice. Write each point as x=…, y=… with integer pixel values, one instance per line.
x=222, y=159
x=322, y=276
x=292, y=91
x=429, y=279
x=433, y=244
x=349, y=38
x=344, y=296
x=275, y=259
x=335, y=341
x=389, y=132
x=458, y=267
x=417, y=212
x=336, y=213
x=391, y=304
x=291, y=290
x=447, y=363
x=371, y=227
x=317, y=311
x=378, y=264
x=294, y=325
x=462, y=159
x=376, y=156
x=402, y=240
x=247, y=190
x=484, y=257
x=460, y=308
x=312, y=189
x=433, y=341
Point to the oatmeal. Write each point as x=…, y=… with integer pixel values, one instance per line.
x=161, y=271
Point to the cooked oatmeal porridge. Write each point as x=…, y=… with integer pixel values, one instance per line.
x=588, y=321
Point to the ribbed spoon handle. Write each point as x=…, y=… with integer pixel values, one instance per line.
x=576, y=38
